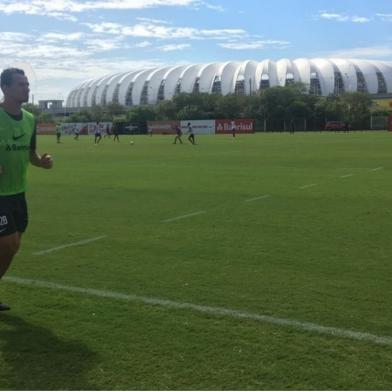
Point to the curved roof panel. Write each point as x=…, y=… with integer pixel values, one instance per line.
x=132, y=88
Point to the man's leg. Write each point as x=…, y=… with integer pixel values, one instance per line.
x=9, y=246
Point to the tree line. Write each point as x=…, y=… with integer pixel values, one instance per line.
x=272, y=104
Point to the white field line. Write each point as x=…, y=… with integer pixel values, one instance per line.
x=183, y=216
x=257, y=198
x=346, y=175
x=376, y=169
x=307, y=186
x=44, y=252
x=216, y=311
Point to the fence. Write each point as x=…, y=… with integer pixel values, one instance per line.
x=374, y=123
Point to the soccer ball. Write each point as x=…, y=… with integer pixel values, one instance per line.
x=131, y=142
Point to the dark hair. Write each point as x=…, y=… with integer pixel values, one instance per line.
x=6, y=76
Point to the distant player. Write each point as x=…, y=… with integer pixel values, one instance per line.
x=108, y=133
x=17, y=150
x=178, y=135
x=233, y=128
x=97, y=133
x=191, y=136
x=58, y=132
x=115, y=131
x=292, y=126
x=75, y=131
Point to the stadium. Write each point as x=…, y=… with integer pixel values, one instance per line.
x=150, y=86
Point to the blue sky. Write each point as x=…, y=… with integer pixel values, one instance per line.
x=66, y=42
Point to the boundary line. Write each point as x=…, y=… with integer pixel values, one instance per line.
x=215, y=311
x=257, y=198
x=183, y=216
x=44, y=252
x=307, y=186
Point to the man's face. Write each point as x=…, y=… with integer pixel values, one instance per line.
x=18, y=90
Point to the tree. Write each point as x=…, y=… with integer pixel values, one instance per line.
x=166, y=110
x=82, y=116
x=46, y=118
x=114, y=109
x=34, y=109
x=139, y=115
x=191, y=112
x=97, y=113
x=230, y=106
x=356, y=108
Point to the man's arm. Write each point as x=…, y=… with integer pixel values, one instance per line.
x=45, y=161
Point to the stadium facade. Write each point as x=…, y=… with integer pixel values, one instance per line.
x=150, y=86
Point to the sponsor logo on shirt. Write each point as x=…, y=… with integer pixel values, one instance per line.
x=18, y=136
x=15, y=147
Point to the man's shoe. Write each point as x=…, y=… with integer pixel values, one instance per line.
x=4, y=307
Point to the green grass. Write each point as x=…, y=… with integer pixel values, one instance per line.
x=321, y=255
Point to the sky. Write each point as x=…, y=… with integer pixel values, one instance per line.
x=61, y=43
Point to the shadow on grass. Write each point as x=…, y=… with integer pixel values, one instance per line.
x=33, y=358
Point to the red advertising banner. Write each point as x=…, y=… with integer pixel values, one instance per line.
x=239, y=126
x=46, y=128
x=162, y=127
x=390, y=123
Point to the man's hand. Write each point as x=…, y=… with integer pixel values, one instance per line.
x=46, y=161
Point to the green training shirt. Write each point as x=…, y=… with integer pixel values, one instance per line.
x=17, y=140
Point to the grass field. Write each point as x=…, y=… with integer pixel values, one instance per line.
x=294, y=227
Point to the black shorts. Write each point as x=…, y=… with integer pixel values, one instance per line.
x=13, y=214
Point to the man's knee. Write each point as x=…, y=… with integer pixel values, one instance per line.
x=9, y=245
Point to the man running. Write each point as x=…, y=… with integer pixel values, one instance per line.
x=75, y=131
x=17, y=149
x=108, y=133
x=115, y=130
x=97, y=133
x=178, y=135
x=191, y=136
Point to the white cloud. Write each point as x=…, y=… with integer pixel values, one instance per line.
x=53, y=37
x=8, y=36
x=360, y=19
x=159, y=31
x=260, y=44
x=143, y=44
x=333, y=16
x=150, y=20
x=65, y=9
x=375, y=52
x=104, y=44
x=385, y=17
x=213, y=7
x=343, y=18
x=173, y=47
x=55, y=46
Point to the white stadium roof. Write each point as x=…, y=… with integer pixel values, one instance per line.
x=149, y=86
